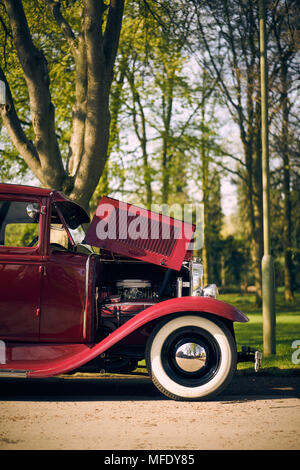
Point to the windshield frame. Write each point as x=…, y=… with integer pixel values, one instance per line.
x=70, y=231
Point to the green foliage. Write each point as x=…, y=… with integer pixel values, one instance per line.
x=21, y=234
x=236, y=263
x=12, y=165
x=158, y=138
x=48, y=37
x=251, y=333
x=164, y=131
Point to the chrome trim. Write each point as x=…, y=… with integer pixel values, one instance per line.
x=190, y=357
x=257, y=360
x=131, y=283
x=13, y=373
x=179, y=287
x=191, y=277
x=128, y=302
x=210, y=290
x=86, y=292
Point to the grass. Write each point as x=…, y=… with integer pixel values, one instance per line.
x=251, y=333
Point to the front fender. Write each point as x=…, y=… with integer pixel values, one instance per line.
x=195, y=304
x=172, y=306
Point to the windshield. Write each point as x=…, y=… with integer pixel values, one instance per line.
x=71, y=217
x=73, y=214
x=77, y=234
x=78, y=237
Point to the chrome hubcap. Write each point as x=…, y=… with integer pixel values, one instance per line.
x=190, y=357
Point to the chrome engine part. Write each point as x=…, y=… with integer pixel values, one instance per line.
x=133, y=289
x=118, y=305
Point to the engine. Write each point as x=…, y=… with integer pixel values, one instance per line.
x=132, y=296
x=134, y=289
x=119, y=298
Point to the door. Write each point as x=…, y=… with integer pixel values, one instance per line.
x=66, y=299
x=21, y=268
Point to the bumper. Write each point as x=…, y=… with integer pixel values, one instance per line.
x=250, y=355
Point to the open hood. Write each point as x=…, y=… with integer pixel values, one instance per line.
x=131, y=231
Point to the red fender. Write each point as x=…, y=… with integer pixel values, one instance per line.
x=84, y=353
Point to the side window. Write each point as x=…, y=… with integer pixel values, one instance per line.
x=19, y=223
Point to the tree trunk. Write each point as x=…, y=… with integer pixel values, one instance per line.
x=94, y=52
x=46, y=163
x=287, y=222
x=252, y=151
x=140, y=128
x=257, y=232
x=167, y=110
x=223, y=271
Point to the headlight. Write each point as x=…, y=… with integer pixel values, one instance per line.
x=197, y=273
x=210, y=290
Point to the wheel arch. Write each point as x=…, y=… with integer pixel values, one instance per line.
x=159, y=322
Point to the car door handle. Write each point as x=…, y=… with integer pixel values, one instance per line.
x=42, y=270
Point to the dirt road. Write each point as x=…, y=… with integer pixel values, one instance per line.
x=255, y=412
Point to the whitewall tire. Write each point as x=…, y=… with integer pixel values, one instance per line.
x=191, y=357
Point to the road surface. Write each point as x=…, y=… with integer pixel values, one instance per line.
x=255, y=412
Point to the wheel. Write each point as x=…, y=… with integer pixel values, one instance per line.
x=191, y=357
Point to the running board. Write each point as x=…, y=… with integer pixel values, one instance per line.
x=13, y=373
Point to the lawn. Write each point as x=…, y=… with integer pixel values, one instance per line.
x=251, y=333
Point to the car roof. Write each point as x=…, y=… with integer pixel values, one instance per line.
x=56, y=196
x=9, y=188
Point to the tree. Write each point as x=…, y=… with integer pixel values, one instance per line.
x=228, y=40
x=228, y=34
x=89, y=30
x=159, y=106
x=285, y=49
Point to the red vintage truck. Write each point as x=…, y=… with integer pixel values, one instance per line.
x=65, y=308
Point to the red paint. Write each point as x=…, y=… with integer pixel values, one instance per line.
x=138, y=233
x=48, y=311
x=188, y=304
x=49, y=360
x=63, y=314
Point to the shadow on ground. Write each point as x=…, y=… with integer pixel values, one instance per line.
x=140, y=388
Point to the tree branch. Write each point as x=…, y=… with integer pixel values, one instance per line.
x=112, y=31
x=99, y=77
x=35, y=70
x=79, y=109
x=12, y=124
x=62, y=22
